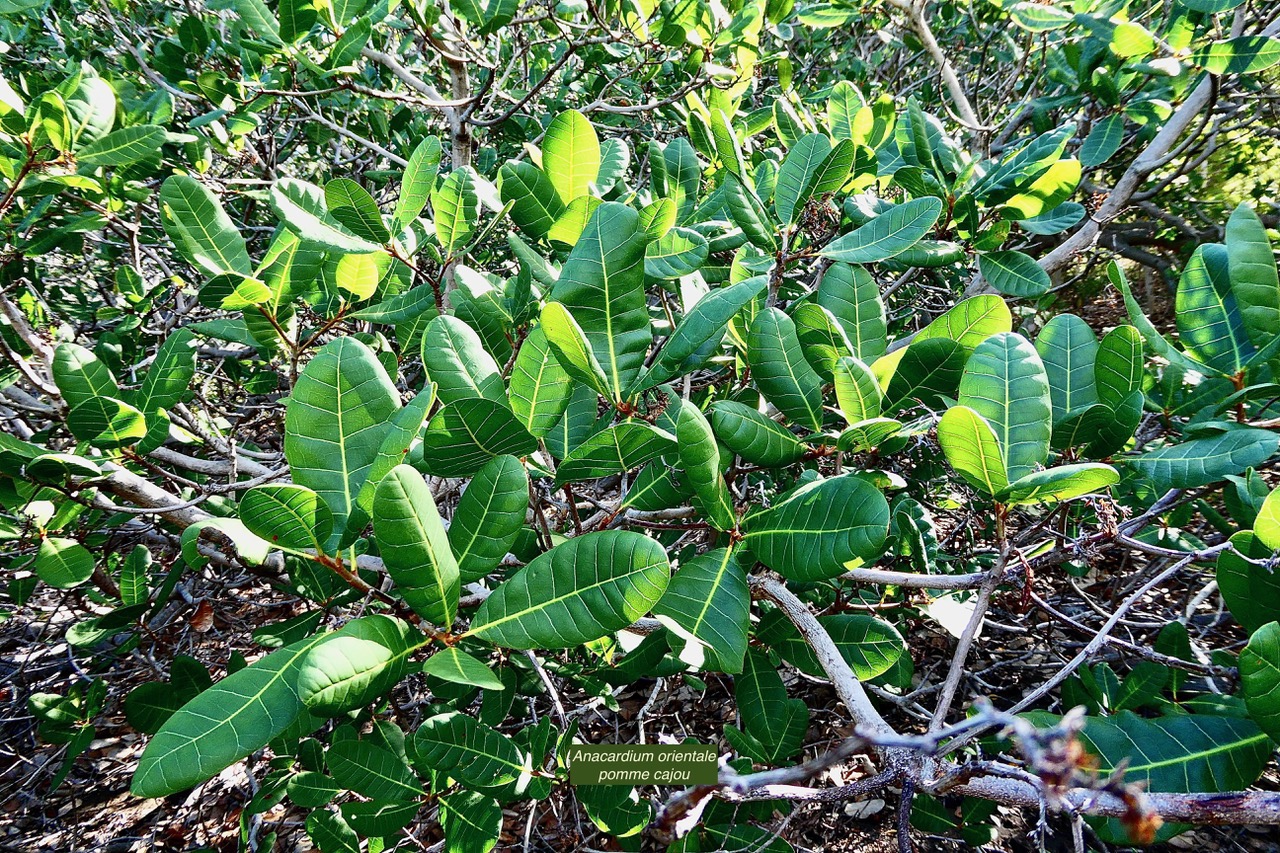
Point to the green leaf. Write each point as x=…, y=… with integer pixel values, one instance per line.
x=1175, y=754
x=414, y=546
x=107, y=423
x=1131, y=39
x=1060, y=484
x=930, y=370
x=773, y=725
x=288, y=516
x=166, y=383
x=458, y=667
x=334, y=423
x=200, y=228
x=472, y=822
x=579, y=591
x=868, y=435
x=1103, y=141
x=1251, y=267
x=657, y=218
x=461, y=437
x=679, y=252
x=457, y=362
x=571, y=348
x=870, y=646
x=1117, y=367
x=683, y=177
x=1249, y=586
x=310, y=789
x=1046, y=192
x=403, y=435
x=843, y=106
x=1202, y=461
x=353, y=207
x=124, y=147
x=1210, y=324
x=1267, y=524
x=708, y=604
x=1260, y=678
x=1158, y=343
x=535, y=202
x=971, y=446
x=372, y=771
x=330, y=833
x=688, y=348
x=297, y=17
x=748, y=213
x=752, y=435
x=456, y=208
x=1014, y=274
x=379, y=819
x=1242, y=55
x=700, y=458
x=780, y=370
x=857, y=392
x=619, y=448
x=602, y=286
x=852, y=296
x=356, y=664
x=971, y=321
x=234, y=718
x=63, y=563
x=1069, y=350
x=359, y=275
x=1004, y=381
x=727, y=146
x=889, y=234
x=822, y=340
x=419, y=180
x=301, y=208
x=489, y=517
x=456, y=745
x=540, y=387
x=814, y=531
x=802, y=162
x=568, y=228
x=571, y=154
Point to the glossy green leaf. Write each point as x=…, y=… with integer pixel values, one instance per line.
x=232, y=719
x=752, y=435
x=540, y=387
x=780, y=370
x=457, y=362
x=455, y=206
x=574, y=353
x=356, y=664
x=457, y=745
x=1158, y=343
x=472, y=822
x=822, y=339
x=929, y=370
x=1251, y=269
x=571, y=154
x=288, y=516
x=870, y=646
x=700, y=458
x=579, y=591
x=1117, y=369
x=619, y=448
x=200, y=228
x=355, y=209
x=1210, y=324
x=461, y=437
x=801, y=163
x=971, y=321
x=1241, y=55
x=458, y=667
x=852, y=296
x=419, y=179
x=1267, y=523
x=402, y=437
x=1260, y=678
x=1060, y=484
x=372, y=771
x=63, y=563
x=1103, y=141
x=971, y=446
x=489, y=516
x=124, y=147
x=1014, y=274
x=414, y=546
x=107, y=423
x=679, y=252
x=535, y=202
x=301, y=208
x=708, y=604
x=1249, y=586
x=814, y=531
x=1205, y=460
x=335, y=421
x=1069, y=350
x=748, y=213
x=889, y=234
x=857, y=392
x=1004, y=381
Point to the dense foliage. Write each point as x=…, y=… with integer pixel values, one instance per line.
x=531, y=352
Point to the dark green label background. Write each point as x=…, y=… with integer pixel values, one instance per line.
x=664, y=764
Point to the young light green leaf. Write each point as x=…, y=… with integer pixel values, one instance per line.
x=456, y=208
x=419, y=180
x=857, y=392
x=571, y=154
x=1060, y=484
x=971, y=446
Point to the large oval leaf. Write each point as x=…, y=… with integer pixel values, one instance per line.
x=489, y=516
x=708, y=604
x=540, y=387
x=287, y=515
x=200, y=228
x=535, y=203
x=1210, y=324
x=462, y=437
x=1260, y=678
x=780, y=370
x=853, y=297
x=1069, y=350
x=700, y=458
x=971, y=446
x=889, y=234
x=1250, y=588
x=356, y=664
x=579, y=591
x=751, y=435
x=457, y=362
x=1206, y=460
x=1004, y=381
x=571, y=154
x=619, y=448
x=1251, y=268
x=870, y=646
x=459, y=746
x=815, y=530
x=334, y=423
x=414, y=546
